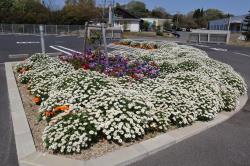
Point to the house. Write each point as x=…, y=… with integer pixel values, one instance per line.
x=126, y=21
x=236, y=24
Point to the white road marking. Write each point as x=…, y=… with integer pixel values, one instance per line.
x=18, y=55
x=53, y=53
x=55, y=48
x=68, y=49
x=219, y=49
x=34, y=42
x=200, y=45
x=242, y=54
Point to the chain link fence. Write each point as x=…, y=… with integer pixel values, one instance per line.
x=48, y=29
x=111, y=33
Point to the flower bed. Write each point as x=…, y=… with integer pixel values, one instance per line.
x=136, y=44
x=85, y=104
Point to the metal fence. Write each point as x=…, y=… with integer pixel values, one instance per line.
x=48, y=29
x=209, y=36
x=111, y=33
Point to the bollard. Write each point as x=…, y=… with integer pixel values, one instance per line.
x=104, y=38
x=85, y=38
x=42, y=38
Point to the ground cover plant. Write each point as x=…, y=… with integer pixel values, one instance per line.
x=123, y=97
x=136, y=44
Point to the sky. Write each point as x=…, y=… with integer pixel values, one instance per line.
x=236, y=7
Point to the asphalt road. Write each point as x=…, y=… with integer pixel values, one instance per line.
x=8, y=156
x=226, y=144
x=30, y=44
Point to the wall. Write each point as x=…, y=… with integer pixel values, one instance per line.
x=132, y=26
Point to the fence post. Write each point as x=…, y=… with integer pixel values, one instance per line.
x=2, y=28
x=41, y=28
x=45, y=29
x=12, y=28
x=112, y=33
x=56, y=29
x=85, y=38
x=68, y=29
x=23, y=28
x=199, y=38
x=34, y=28
x=104, y=38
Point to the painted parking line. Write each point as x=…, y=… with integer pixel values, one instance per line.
x=11, y=56
x=205, y=46
x=60, y=50
x=241, y=54
x=219, y=49
x=30, y=42
x=68, y=49
x=199, y=45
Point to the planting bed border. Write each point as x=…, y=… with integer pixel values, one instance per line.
x=28, y=156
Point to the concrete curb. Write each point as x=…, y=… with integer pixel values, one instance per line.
x=28, y=156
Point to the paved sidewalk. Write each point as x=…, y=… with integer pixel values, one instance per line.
x=8, y=156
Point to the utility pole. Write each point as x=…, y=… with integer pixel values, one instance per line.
x=110, y=23
x=103, y=10
x=229, y=22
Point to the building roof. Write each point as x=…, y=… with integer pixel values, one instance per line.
x=235, y=19
x=122, y=13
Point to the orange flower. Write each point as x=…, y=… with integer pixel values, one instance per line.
x=49, y=113
x=22, y=70
x=62, y=108
x=36, y=99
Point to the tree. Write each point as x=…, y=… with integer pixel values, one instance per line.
x=199, y=18
x=137, y=8
x=5, y=10
x=167, y=25
x=145, y=26
x=159, y=12
x=29, y=12
x=213, y=14
x=71, y=2
x=246, y=27
x=78, y=12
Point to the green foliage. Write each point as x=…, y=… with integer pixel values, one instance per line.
x=159, y=12
x=137, y=8
x=213, y=14
x=33, y=12
x=95, y=39
x=167, y=25
x=145, y=26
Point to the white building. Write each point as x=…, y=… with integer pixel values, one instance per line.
x=131, y=25
x=126, y=21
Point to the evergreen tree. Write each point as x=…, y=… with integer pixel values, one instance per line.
x=246, y=27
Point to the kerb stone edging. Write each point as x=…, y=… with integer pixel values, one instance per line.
x=28, y=156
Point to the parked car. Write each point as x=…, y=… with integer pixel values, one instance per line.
x=178, y=29
x=177, y=35
x=188, y=29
